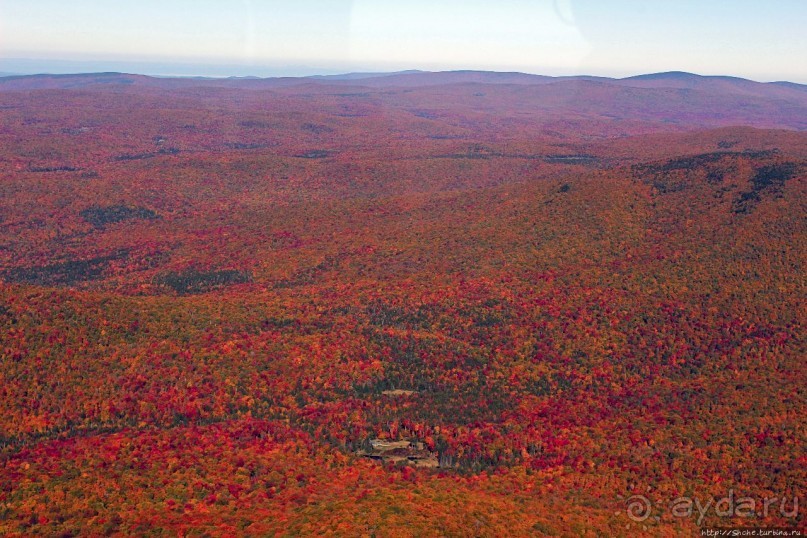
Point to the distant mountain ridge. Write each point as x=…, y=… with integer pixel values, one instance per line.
x=669, y=79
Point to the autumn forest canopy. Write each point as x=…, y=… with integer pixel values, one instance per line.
x=422, y=304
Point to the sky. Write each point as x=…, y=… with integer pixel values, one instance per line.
x=759, y=40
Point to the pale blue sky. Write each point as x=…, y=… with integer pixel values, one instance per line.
x=750, y=38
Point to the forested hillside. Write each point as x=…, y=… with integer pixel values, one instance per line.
x=346, y=308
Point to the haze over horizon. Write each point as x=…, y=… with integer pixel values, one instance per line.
x=614, y=38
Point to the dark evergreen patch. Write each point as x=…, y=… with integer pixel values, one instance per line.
x=54, y=169
x=65, y=273
x=771, y=179
x=100, y=216
x=316, y=128
x=193, y=281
